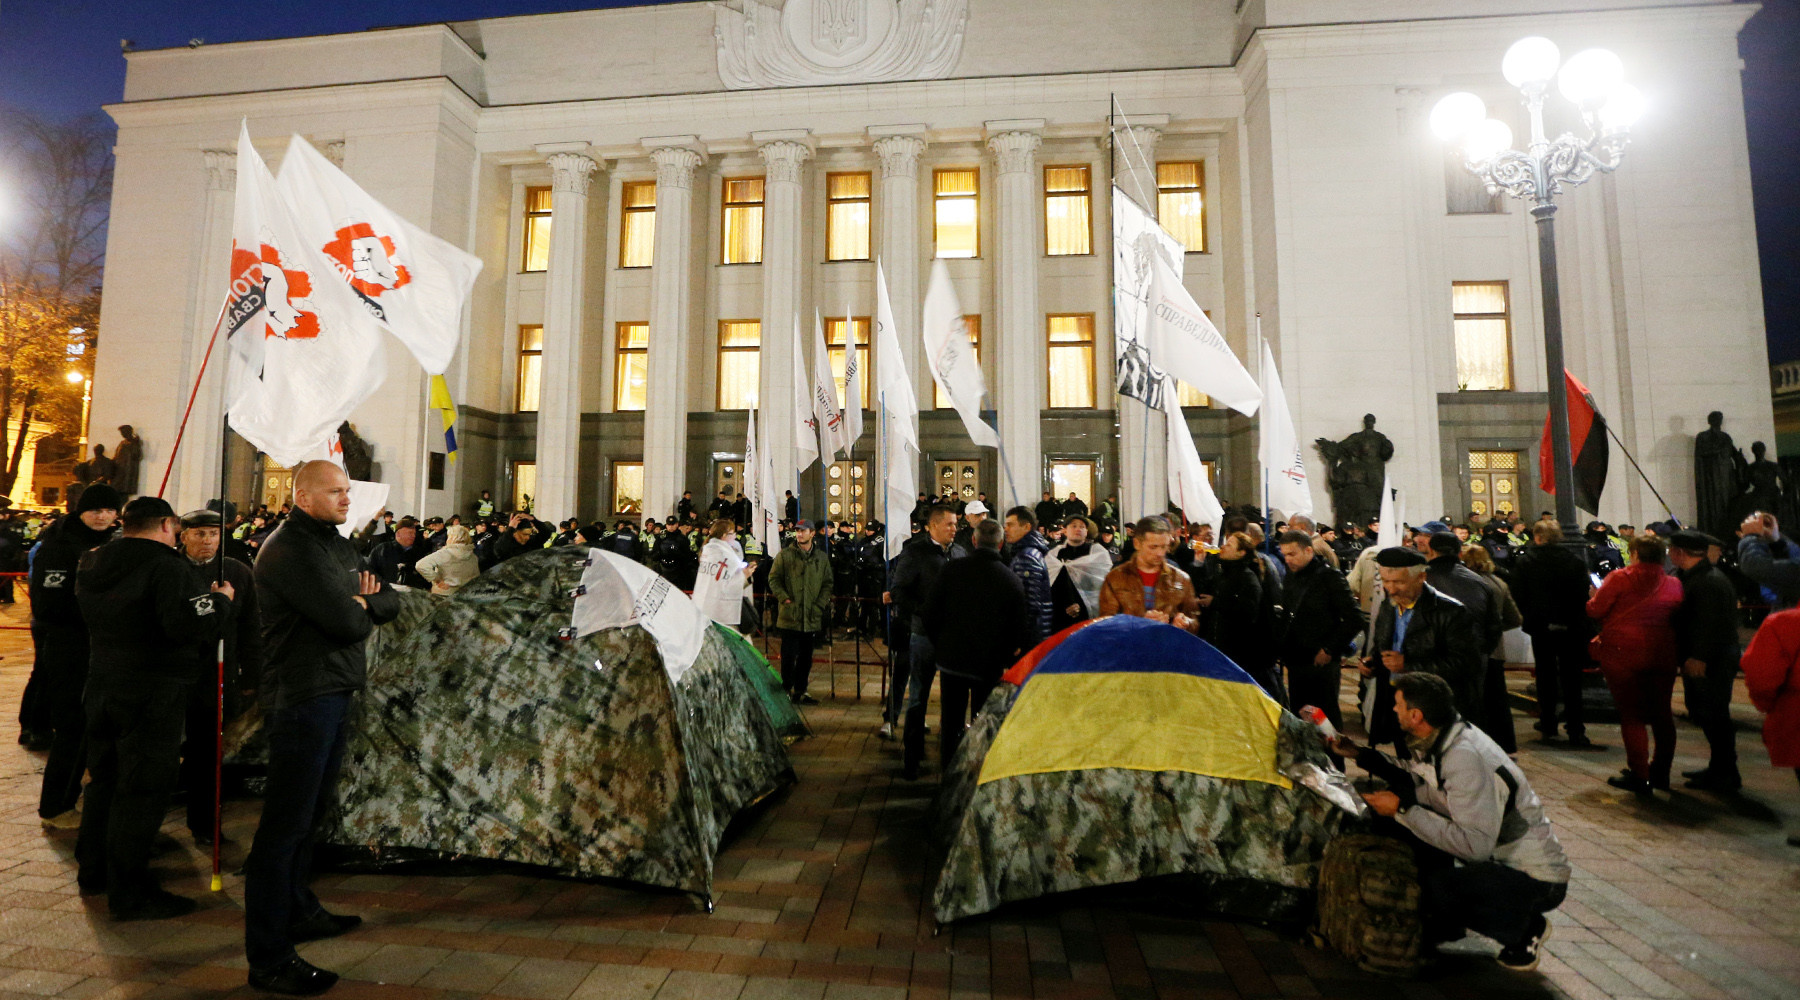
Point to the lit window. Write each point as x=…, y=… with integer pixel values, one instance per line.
x=637, y=224
x=1181, y=202
x=537, y=229
x=1483, y=335
x=971, y=325
x=628, y=488
x=631, y=368
x=743, y=220
x=740, y=363
x=957, y=209
x=524, y=485
x=1071, y=361
x=531, y=367
x=1067, y=476
x=835, y=351
x=1067, y=219
x=847, y=216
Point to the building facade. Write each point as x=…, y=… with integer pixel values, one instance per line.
x=665, y=197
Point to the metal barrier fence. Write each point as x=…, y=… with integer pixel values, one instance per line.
x=862, y=620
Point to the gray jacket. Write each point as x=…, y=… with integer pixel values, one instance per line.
x=1474, y=803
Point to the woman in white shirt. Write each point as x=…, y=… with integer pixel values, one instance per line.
x=724, y=576
x=452, y=566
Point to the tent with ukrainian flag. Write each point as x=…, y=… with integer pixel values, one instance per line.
x=1124, y=749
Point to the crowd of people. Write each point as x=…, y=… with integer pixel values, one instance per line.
x=128, y=600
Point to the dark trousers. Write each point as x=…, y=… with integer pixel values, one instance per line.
x=199, y=752
x=959, y=701
x=1485, y=897
x=918, y=695
x=1561, y=657
x=65, y=675
x=796, y=659
x=306, y=747
x=1715, y=715
x=33, y=716
x=1310, y=684
x=900, y=654
x=134, y=752
x=1496, y=710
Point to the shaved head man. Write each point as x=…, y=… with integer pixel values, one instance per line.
x=322, y=490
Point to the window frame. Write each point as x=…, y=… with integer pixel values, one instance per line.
x=725, y=207
x=1198, y=188
x=1512, y=374
x=1086, y=195
x=612, y=501
x=1093, y=349
x=518, y=494
x=719, y=365
x=937, y=197
x=520, y=354
x=867, y=200
x=620, y=352
x=626, y=212
x=529, y=216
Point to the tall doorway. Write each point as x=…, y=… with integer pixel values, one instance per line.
x=847, y=491
x=277, y=484
x=1073, y=476
x=958, y=480
x=1494, y=483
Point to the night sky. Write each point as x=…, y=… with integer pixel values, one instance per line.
x=61, y=59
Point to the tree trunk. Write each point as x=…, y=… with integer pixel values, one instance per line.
x=6, y=386
x=10, y=473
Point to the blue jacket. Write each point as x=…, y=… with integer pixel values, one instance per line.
x=1027, y=564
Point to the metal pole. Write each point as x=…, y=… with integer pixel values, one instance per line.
x=1561, y=455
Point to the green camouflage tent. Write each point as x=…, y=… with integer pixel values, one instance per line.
x=485, y=732
x=1128, y=750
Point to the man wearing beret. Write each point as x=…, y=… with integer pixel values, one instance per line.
x=1707, y=637
x=1419, y=629
x=243, y=666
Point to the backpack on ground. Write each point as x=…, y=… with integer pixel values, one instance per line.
x=1369, y=903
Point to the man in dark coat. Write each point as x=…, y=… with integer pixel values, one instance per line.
x=1322, y=618
x=790, y=507
x=1024, y=555
x=1446, y=572
x=395, y=559
x=60, y=671
x=243, y=668
x=1049, y=510
x=1419, y=629
x=684, y=508
x=1550, y=584
x=675, y=550
x=979, y=622
x=148, y=617
x=1706, y=632
x=319, y=603
x=915, y=573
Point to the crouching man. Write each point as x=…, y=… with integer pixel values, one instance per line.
x=1488, y=859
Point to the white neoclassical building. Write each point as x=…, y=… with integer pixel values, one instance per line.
x=663, y=194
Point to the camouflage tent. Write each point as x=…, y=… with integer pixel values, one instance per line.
x=486, y=733
x=1129, y=750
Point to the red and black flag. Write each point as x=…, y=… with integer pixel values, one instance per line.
x=1587, y=442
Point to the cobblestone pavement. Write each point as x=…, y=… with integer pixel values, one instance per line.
x=820, y=897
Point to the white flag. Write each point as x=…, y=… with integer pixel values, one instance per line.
x=947, y=352
x=1137, y=240
x=1183, y=342
x=367, y=501
x=1188, y=485
x=616, y=592
x=1392, y=516
x=825, y=402
x=853, y=388
x=1284, y=468
x=769, y=518
x=752, y=483
x=413, y=283
x=895, y=387
x=806, y=426
x=309, y=352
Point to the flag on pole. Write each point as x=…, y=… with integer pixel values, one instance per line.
x=410, y=281
x=1137, y=240
x=309, y=352
x=1588, y=447
x=752, y=483
x=446, y=407
x=894, y=384
x=1182, y=341
x=953, y=365
x=806, y=426
x=1284, y=467
x=1392, y=516
x=769, y=510
x=1188, y=485
x=825, y=402
x=853, y=388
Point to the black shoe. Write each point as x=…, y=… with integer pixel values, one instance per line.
x=1523, y=956
x=35, y=741
x=1659, y=782
x=1718, y=784
x=1583, y=743
x=90, y=885
x=1548, y=739
x=323, y=925
x=1698, y=775
x=910, y=772
x=1794, y=840
x=1631, y=783
x=157, y=905
x=805, y=699
x=204, y=838
x=295, y=977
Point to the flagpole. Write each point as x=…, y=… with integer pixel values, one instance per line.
x=218, y=883
x=1639, y=468
x=182, y=430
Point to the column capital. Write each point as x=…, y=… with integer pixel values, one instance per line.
x=570, y=172
x=784, y=151
x=1014, y=150
x=675, y=166
x=899, y=155
x=221, y=169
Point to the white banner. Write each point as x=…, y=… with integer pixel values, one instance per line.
x=953, y=364
x=1183, y=342
x=895, y=385
x=769, y=515
x=806, y=426
x=752, y=485
x=367, y=501
x=1393, y=516
x=1188, y=485
x=616, y=592
x=410, y=281
x=1137, y=240
x=1284, y=468
x=824, y=399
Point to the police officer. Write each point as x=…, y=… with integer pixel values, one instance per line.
x=148, y=615
x=200, y=544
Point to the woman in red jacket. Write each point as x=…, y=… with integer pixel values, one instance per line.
x=1636, y=607
x=1772, y=673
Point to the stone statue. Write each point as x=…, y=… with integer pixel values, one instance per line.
x=126, y=457
x=1356, y=468
x=359, y=461
x=1719, y=473
x=1762, y=490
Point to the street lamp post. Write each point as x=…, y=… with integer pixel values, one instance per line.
x=87, y=396
x=1593, y=80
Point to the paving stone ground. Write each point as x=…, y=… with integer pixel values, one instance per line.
x=821, y=896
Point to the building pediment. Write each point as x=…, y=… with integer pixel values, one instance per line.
x=813, y=42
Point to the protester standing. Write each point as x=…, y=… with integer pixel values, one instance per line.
x=319, y=603
x=1772, y=674
x=452, y=566
x=801, y=582
x=1418, y=629
x=1321, y=620
x=1077, y=567
x=980, y=621
x=1496, y=717
x=915, y=573
x=1147, y=586
x=1024, y=554
x=1636, y=647
x=1550, y=582
x=1707, y=639
x=720, y=587
x=1241, y=628
x=243, y=669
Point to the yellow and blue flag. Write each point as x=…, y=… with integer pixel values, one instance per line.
x=1130, y=693
x=441, y=402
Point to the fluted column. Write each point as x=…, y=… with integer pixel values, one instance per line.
x=1019, y=391
x=559, y=394
x=197, y=466
x=899, y=147
x=784, y=154
x=1143, y=431
x=671, y=279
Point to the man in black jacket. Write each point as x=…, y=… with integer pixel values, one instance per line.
x=1419, y=629
x=1322, y=618
x=148, y=617
x=1048, y=510
x=1550, y=584
x=60, y=670
x=243, y=668
x=1446, y=572
x=394, y=560
x=1706, y=632
x=915, y=572
x=319, y=603
x=680, y=562
x=979, y=623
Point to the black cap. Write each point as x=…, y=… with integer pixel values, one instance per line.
x=1695, y=542
x=1398, y=556
x=200, y=519
x=100, y=496
x=145, y=507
